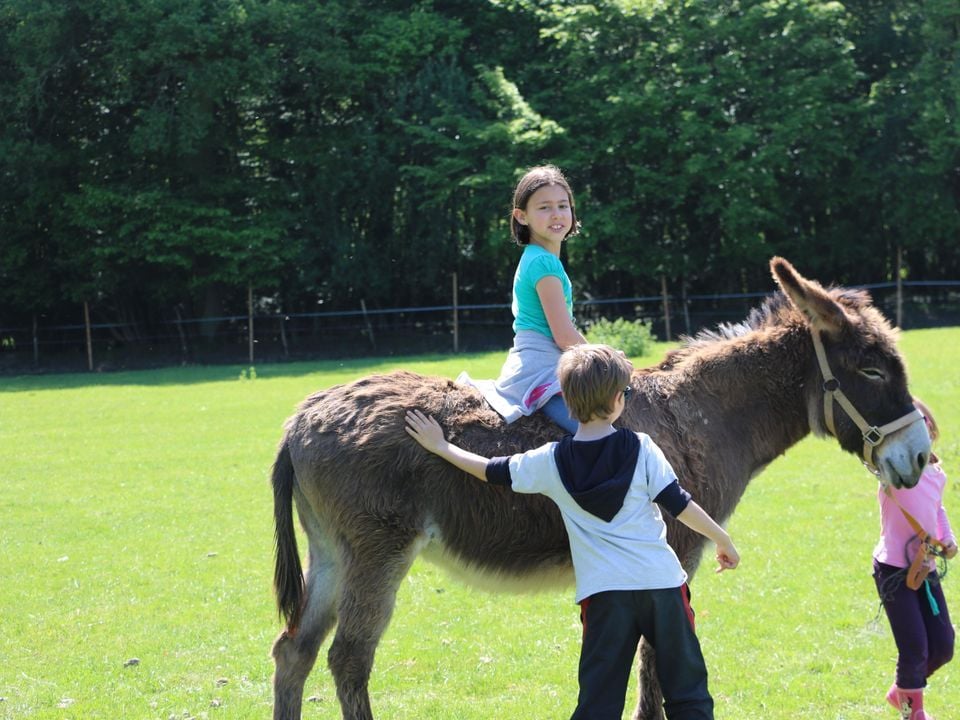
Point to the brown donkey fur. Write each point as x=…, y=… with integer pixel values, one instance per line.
x=370, y=499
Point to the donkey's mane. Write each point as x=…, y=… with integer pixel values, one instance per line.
x=776, y=311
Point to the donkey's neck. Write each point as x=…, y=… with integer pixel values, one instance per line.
x=756, y=387
x=737, y=404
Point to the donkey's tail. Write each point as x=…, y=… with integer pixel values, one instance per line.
x=287, y=573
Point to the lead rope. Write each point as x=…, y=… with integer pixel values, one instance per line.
x=929, y=545
x=934, y=608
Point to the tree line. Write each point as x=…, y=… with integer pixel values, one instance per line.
x=171, y=158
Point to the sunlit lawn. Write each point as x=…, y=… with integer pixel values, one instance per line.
x=136, y=528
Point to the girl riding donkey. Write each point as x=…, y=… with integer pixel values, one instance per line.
x=542, y=218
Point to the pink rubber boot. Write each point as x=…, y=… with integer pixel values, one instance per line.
x=910, y=704
x=892, y=697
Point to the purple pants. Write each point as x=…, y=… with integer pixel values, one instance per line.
x=924, y=640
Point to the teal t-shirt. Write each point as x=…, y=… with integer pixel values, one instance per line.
x=536, y=264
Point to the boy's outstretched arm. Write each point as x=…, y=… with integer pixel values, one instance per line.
x=427, y=431
x=696, y=518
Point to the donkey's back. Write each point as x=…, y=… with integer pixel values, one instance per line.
x=355, y=465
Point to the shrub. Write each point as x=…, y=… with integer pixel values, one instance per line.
x=633, y=337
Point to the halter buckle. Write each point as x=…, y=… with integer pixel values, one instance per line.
x=872, y=436
x=831, y=385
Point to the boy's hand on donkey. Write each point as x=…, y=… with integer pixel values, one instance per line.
x=425, y=430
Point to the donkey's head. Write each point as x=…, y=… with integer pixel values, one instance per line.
x=859, y=393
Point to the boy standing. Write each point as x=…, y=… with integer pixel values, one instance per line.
x=629, y=582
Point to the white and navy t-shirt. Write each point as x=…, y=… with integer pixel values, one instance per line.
x=608, y=492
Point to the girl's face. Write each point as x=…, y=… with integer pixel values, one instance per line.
x=548, y=215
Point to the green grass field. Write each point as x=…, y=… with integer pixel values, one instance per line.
x=136, y=529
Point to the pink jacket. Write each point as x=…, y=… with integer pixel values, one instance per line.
x=925, y=503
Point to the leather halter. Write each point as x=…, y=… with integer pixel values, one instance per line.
x=872, y=435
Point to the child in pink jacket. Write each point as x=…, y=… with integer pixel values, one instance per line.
x=910, y=588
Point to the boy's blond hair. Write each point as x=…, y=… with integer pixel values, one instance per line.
x=591, y=376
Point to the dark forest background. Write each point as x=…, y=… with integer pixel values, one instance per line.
x=166, y=161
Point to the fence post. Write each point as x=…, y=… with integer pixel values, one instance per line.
x=184, y=353
x=283, y=335
x=366, y=320
x=36, y=343
x=666, y=306
x=86, y=324
x=899, y=286
x=456, y=321
x=250, y=320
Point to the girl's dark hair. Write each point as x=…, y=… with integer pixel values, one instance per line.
x=534, y=179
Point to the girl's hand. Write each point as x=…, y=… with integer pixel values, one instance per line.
x=950, y=551
x=425, y=430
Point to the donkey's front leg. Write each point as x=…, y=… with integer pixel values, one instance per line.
x=650, y=700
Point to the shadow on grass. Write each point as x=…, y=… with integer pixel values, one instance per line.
x=195, y=374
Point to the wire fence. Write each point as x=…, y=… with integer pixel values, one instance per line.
x=273, y=337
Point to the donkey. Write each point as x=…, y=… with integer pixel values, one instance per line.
x=721, y=407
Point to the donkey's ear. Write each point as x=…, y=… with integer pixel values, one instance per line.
x=809, y=297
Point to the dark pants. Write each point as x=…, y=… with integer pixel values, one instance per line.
x=613, y=623
x=924, y=640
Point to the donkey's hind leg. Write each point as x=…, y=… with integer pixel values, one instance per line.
x=372, y=575
x=294, y=653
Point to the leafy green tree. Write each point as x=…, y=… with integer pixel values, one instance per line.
x=143, y=115
x=398, y=139
x=708, y=130
x=165, y=156
x=907, y=191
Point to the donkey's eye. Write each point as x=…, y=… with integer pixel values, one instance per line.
x=873, y=374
